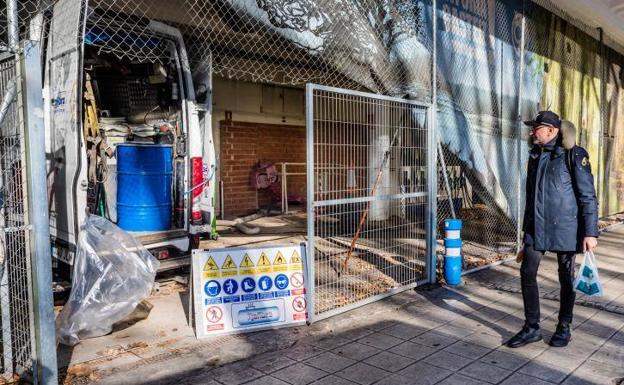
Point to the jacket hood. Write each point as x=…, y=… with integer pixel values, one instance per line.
x=568, y=134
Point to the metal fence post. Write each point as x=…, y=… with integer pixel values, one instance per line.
x=12, y=25
x=432, y=140
x=45, y=336
x=603, y=99
x=519, y=136
x=310, y=252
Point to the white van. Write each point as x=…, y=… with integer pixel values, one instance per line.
x=97, y=99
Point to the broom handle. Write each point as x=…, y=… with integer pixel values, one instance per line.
x=368, y=205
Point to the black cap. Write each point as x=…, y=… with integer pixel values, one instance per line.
x=548, y=118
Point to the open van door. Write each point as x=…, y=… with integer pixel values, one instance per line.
x=66, y=161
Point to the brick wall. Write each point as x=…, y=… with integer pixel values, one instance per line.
x=243, y=145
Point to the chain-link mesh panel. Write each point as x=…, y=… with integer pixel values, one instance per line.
x=613, y=136
x=479, y=170
x=379, y=45
x=15, y=280
x=386, y=46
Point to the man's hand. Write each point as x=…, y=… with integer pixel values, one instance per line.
x=520, y=255
x=589, y=243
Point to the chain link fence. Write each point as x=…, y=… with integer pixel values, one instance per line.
x=497, y=62
x=25, y=311
x=15, y=269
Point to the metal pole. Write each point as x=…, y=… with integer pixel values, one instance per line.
x=12, y=24
x=221, y=198
x=310, y=252
x=432, y=140
x=519, y=138
x=446, y=180
x=603, y=99
x=43, y=304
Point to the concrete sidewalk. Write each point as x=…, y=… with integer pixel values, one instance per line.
x=437, y=336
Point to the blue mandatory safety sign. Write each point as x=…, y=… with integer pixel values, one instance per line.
x=249, y=297
x=268, y=295
x=230, y=286
x=230, y=299
x=248, y=285
x=212, y=288
x=265, y=283
x=212, y=301
x=281, y=281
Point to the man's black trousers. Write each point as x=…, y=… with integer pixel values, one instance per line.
x=530, y=291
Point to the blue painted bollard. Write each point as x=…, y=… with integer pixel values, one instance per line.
x=453, y=257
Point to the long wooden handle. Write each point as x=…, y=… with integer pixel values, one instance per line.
x=368, y=205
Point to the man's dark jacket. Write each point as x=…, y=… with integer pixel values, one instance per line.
x=561, y=207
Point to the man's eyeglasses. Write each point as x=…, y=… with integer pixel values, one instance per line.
x=534, y=129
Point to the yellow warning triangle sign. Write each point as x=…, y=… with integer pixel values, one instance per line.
x=295, y=258
x=264, y=260
x=210, y=265
x=279, y=259
x=228, y=263
x=247, y=262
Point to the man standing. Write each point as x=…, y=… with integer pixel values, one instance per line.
x=561, y=216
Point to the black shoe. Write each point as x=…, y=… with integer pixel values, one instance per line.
x=527, y=335
x=562, y=335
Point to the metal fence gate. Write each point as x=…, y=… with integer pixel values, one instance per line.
x=27, y=339
x=369, y=167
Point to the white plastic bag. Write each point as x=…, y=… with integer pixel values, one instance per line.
x=113, y=272
x=587, y=280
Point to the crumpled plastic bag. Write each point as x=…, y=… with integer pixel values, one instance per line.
x=113, y=272
x=587, y=281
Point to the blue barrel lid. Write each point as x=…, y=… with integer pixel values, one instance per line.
x=452, y=243
x=453, y=224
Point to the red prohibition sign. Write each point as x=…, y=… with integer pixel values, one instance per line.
x=296, y=279
x=299, y=304
x=214, y=314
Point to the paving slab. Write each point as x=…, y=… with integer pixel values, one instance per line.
x=422, y=373
x=389, y=361
x=505, y=360
x=413, y=350
x=523, y=379
x=434, y=339
x=356, y=351
x=380, y=341
x=333, y=380
x=468, y=350
x=486, y=372
x=330, y=362
x=299, y=374
x=446, y=360
x=363, y=374
x=458, y=379
x=237, y=373
x=267, y=380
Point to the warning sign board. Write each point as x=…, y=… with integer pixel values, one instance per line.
x=229, y=268
x=279, y=263
x=247, y=266
x=243, y=289
x=264, y=264
x=211, y=269
x=295, y=261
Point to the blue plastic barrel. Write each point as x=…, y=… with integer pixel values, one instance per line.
x=144, y=174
